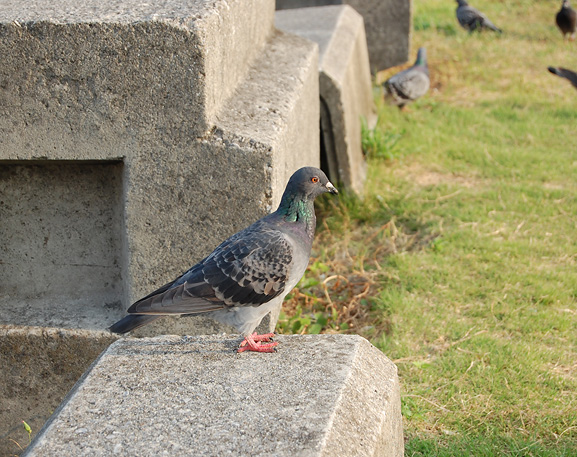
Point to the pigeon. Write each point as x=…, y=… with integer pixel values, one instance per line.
x=564, y=73
x=472, y=19
x=249, y=274
x=410, y=84
x=566, y=20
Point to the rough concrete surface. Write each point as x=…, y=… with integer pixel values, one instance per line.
x=387, y=25
x=39, y=367
x=52, y=213
x=150, y=88
x=330, y=395
x=345, y=84
x=106, y=57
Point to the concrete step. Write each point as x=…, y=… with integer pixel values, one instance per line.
x=110, y=69
x=345, y=84
x=329, y=395
x=387, y=24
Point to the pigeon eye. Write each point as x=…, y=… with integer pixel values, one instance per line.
x=315, y=179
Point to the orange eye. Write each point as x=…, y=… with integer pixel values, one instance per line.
x=315, y=179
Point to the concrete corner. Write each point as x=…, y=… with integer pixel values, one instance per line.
x=345, y=84
x=329, y=395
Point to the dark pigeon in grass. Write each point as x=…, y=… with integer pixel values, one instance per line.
x=410, y=84
x=566, y=20
x=564, y=73
x=472, y=19
x=249, y=274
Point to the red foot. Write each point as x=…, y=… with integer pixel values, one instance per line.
x=254, y=343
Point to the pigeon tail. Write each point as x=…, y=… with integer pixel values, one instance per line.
x=571, y=76
x=488, y=24
x=132, y=322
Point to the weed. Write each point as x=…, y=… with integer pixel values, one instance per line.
x=379, y=143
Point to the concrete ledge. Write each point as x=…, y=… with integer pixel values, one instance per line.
x=344, y=83
x=39, y=367
x=330, y=395
x=116, y=69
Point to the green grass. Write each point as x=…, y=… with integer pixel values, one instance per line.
x=460, y=262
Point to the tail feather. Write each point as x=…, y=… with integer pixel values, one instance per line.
x=487, y=23
x=132, y=322
x=564, y=73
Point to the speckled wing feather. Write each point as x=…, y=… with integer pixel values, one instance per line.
x=248, y=269
x=471, y=19
x=410, y=84
x=468, y=17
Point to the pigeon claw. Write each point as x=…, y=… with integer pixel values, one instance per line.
x=258, y=343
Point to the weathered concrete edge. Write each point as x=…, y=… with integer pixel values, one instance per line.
x=352, y=84
x=71, y=394
x=375, y=435
x=366, y=436
x=280, y=92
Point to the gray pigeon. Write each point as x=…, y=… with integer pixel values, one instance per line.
x=472, y=19
x=564, y=73
x=410, y=84
x=566, y=20
x=247, y=275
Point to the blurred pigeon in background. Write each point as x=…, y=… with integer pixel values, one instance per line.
x=410, y=84
x=566, y=20
x=249, y=274
x=564, y=73
x=472, y=19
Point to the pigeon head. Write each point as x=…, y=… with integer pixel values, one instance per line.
x=308, y=183
x=297, y=203
x=462, y=3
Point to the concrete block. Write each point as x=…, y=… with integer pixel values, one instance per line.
x=345, y=84
x=135, y=137
x=387, y=25
x=39, y=367
x=329, y=395
x=117, y=69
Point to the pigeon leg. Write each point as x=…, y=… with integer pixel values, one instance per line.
x=251, y=343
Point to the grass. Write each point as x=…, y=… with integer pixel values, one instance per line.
x=460, y=260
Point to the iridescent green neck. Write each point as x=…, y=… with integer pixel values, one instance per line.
x=294, y=209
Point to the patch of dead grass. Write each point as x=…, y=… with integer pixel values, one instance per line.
x=355, y=274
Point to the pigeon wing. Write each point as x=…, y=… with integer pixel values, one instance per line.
x=412, y=85
x=248, y=269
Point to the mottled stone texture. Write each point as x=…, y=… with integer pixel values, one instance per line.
x=387, y=24
x=319, y=395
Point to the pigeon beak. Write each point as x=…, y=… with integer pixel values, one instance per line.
x=332, y=189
